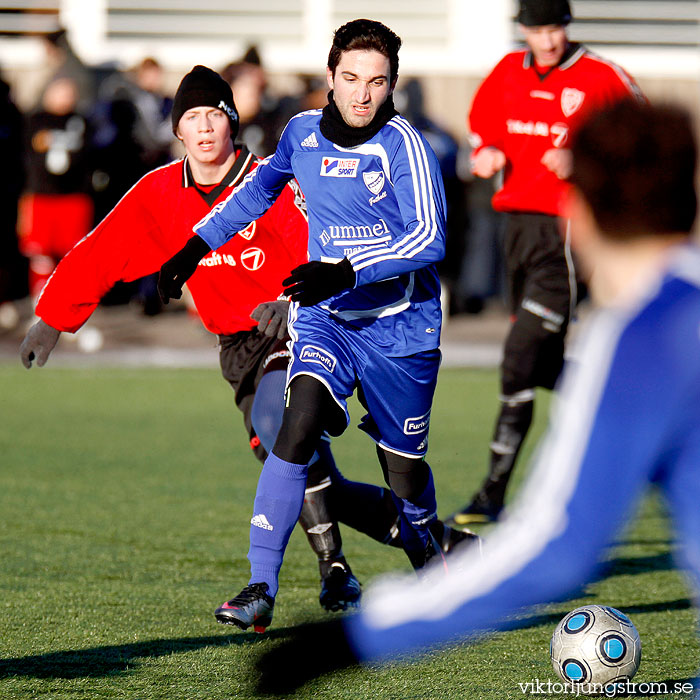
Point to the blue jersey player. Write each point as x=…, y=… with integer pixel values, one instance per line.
x=366, y=307
x=626, y=415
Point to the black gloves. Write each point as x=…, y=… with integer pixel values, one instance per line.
x=309, y=651
x=315, y=281
x=176, y=271
x=38, y=343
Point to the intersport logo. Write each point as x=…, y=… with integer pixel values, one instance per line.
x=339, y=167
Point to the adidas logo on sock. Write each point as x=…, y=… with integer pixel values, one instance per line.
x=261, y=522
x=310, y=141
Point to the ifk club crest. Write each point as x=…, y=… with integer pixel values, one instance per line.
x=374, y=180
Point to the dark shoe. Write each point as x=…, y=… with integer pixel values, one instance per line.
x=340, y=589
x=452, y=537
x=478, y=511
x=252, y=606
x=442, y=540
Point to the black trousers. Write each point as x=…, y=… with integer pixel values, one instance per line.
x=543, y=291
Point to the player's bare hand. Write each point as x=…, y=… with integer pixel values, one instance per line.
x=38, y=343
x=559, y=161
x=272, y=317
x=488, y=161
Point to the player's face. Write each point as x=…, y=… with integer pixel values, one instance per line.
x=206, y=134
x=360, y=85
x=547, y=43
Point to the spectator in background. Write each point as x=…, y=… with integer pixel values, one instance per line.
x=263, y=116
x=480, y=275
x=56, y=210
x=65, y=63
x=142, y=90
x=133, y=136
x=13, y=266
x=409, y=102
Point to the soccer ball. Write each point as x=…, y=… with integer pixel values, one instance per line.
x=594, y=647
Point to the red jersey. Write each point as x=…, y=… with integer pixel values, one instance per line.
x=525, y=114
x=153, y=221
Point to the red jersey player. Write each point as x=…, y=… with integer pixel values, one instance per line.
x=151, y=223
x=521, y=121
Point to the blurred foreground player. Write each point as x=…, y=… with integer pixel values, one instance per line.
x=366, y=313
x=150, y=223
x=627, y=415
x=522, y=120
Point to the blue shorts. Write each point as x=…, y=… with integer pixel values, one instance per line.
x=396, y=391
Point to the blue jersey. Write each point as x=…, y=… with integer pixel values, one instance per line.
x=380, y=204
x=627, y=416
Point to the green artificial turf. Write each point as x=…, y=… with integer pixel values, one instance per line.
x=125, y=496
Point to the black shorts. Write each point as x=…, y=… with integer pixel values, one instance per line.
x=245, y=358
x=542, y=290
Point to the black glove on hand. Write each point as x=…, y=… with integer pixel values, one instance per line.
x=272, y=318
x=315, y=281
x=309, y=651
x=176, y=271
x=39, y=342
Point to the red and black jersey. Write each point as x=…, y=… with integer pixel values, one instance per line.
x=524, y=112
x=153, y=221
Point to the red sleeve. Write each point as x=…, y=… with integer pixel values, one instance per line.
x=486, y=123
x=623, y=85
x=127, y=244
x=291, y=221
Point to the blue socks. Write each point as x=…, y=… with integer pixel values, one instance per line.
x=268, y=407
x=278, y=502
x=417, y=516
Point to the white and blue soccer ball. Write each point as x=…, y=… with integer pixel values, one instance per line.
x=595, y=647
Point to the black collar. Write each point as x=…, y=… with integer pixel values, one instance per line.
x=571, y=55
x=241, y=166
x=336, y=129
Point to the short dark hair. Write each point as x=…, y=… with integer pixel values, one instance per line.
x=365, y=35
x=634, y=163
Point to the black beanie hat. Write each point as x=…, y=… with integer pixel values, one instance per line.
x=539, y=13
x=202, y=87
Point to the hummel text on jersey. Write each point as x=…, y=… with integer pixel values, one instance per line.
x=261, y=521
x=351, y=233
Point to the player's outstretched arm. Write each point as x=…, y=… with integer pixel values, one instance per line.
x=176, y=271
x=272, y=317
x=38, y=344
